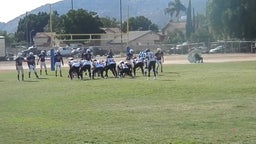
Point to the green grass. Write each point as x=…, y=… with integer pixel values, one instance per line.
x=194, y=104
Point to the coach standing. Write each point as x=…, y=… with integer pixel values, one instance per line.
x=18, y=63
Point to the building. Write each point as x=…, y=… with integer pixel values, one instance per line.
x=137, y=40
x=111, y=39
x=42, y=39
x=110, y=34
x=2, y=48
x=174, y=26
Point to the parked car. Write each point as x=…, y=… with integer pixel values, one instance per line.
x=30, y=49
x=96, y=50
x=77, y=52
x=48, y=53
x=217, y=49
x=174, y=50
x=65, y=51
x=203, y=49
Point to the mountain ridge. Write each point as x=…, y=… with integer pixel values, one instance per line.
x=151, y=9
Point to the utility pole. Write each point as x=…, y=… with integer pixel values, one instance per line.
x=51, y=25
x=127, y=26
x=27, y=31
x=31, y=37
x=121, y=23
x=72, y=4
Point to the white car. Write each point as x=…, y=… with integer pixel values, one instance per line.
x=48, y=53
x=217, y=49
x=65, y=51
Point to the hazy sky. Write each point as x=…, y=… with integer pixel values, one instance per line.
x=10, y=9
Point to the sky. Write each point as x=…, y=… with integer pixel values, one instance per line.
x=10, y=9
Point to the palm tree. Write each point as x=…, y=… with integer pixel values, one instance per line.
x=175, y=7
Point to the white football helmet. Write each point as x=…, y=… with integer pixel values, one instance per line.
x=88, y=51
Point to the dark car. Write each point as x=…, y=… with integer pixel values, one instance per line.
x=98, y=51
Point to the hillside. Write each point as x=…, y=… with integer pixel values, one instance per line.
x=152, y=9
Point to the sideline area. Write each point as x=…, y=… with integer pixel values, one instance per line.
x=169, y=59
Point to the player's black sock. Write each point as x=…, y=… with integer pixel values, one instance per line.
x=22, y=77
x=28, y=74
x=18, y=77
x=36, y=75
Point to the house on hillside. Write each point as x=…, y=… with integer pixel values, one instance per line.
x=174, y=26
x=137, y=40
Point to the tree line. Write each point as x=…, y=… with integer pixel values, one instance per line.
x=232, y=19
x=74, y=22
x=228, y=20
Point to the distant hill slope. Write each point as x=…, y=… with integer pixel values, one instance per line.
x=151, y=9
x=2, y=25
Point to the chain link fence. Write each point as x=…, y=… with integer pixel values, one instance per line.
x=212, y=47
x=185, y=48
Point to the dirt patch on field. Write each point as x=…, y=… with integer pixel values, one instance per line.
x=169, y=59
x=211, y=58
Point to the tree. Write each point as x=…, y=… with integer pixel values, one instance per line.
x=175, y=37
x=153, y=27
x=175, y=7
x=9, y=38
x=202, y=34
x=80, y=22
x=55, y=23
x=140, y=23
x=108, y=22
x=30, y=24
x=215, y=10
x=232, y=18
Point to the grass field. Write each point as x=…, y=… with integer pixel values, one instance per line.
x=187, y=104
